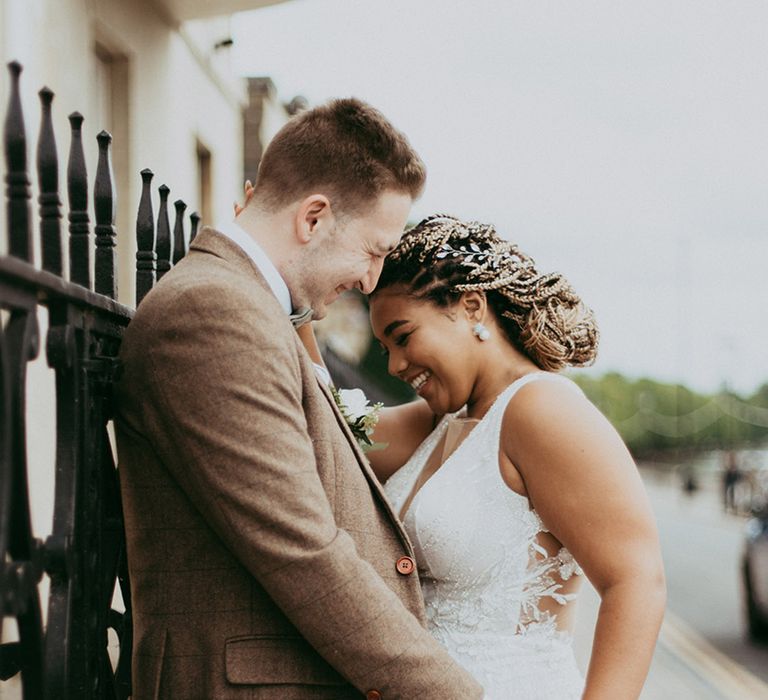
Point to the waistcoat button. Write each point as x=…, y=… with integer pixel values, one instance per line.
x=405, y=565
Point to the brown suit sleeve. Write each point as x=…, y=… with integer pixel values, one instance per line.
x=225, y=404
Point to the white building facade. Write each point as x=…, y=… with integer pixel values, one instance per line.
x=156, y=75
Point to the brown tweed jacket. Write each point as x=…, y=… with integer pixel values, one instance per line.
x=261, y=549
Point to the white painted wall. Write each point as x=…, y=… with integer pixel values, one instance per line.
x=177, y=92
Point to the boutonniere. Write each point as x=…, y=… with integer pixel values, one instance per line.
x=360, y=416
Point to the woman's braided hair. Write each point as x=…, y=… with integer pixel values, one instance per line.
x=442, y=257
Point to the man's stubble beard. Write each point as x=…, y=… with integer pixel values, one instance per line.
x=307, y=279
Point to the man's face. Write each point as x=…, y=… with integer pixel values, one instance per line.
x=351, y=257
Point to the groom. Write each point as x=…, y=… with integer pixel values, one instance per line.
x=264, y=560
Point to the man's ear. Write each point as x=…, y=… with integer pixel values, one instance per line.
x=313, y=217
x=474, y=305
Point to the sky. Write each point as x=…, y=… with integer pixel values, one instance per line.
x=624, y=144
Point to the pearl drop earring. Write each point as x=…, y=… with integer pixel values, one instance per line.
x=481, y=332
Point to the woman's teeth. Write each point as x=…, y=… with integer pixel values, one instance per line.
x=418, y=381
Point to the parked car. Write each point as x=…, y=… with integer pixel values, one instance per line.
x=755, y=573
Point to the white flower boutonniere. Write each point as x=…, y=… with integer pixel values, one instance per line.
x=361, y=417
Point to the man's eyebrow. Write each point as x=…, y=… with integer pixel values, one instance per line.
x=392, y=327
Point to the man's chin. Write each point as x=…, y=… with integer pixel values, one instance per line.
x=319, y=311
x=321, y=308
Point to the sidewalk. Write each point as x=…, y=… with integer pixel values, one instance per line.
x=684, y=667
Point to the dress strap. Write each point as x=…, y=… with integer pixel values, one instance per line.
x=496, y=412
x=505, y=396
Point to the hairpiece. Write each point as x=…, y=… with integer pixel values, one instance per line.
x=443, y=257
x=472, y=255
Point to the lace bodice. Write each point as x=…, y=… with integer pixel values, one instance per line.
x=488, y=583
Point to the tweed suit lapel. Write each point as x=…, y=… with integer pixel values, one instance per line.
x=364, y=464
x=211, y=241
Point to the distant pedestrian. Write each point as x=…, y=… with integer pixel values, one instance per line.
x=688, y=480
x=731, y=477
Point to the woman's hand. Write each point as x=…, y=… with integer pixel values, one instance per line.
x=248, y=189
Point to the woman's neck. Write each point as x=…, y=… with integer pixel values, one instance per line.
x=499, y=370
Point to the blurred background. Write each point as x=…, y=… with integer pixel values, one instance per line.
x=624, y=144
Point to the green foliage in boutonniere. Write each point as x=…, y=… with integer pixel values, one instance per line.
x=361, y=417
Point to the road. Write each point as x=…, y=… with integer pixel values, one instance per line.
x=702, y=550
x=703, y=653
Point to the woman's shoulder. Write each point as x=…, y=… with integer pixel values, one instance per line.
x=546, y=416
x=535, y=389
x=538, y=399
x=541, y=386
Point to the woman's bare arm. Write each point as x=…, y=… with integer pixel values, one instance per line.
x=401, y=428
x=586, y=489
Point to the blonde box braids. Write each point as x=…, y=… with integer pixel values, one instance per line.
x=442, y=257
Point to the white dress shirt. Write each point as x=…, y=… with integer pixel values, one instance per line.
x=267, y=268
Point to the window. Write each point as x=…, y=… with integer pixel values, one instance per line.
x=204, y=184
x=110, y=111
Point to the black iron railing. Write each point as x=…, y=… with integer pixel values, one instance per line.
x=84, y=554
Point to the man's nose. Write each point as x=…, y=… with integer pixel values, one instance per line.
x=368, y=283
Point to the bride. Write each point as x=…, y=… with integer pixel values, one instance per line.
x=511, y=485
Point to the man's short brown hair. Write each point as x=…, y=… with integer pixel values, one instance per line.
x=345, y=149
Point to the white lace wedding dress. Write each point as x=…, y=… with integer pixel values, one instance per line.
x=493, y=593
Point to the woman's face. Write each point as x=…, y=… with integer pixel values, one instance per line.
x=430, y=347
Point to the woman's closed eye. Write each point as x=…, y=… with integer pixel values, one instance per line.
x=402, y=339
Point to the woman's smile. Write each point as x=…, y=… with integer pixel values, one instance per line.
x=418, y=382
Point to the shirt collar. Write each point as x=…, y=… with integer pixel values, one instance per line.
x=260, y=258
x=267, y=268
